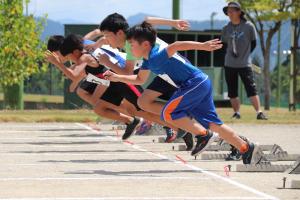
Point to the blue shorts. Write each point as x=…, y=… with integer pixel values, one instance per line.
x=193, y=99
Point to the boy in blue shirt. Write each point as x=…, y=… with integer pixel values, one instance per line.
x=191, y=107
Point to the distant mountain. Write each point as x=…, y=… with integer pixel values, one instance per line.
x=52, y=28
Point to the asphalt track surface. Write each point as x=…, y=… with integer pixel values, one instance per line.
x=83, y=161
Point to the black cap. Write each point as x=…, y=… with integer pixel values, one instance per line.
x=233, y=4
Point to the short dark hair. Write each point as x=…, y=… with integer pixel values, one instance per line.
x=142, y=32
x=71, y=43
x=55, y=42
x=113, y=23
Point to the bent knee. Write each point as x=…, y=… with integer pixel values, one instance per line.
x=100, y=109
x=144, y=102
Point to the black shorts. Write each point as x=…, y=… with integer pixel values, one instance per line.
x=88, y=86
x=247, y=77
x=160, y=85
x=115, y=93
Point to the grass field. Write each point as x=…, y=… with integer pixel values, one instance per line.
x=276, y=116
x=48, y=116
x=41, y=98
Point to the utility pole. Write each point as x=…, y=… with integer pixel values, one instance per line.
x=292, y=106
x=212, y=20
x=278, y=92
x=176, y=9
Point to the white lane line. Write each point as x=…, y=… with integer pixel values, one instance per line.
x=36, y=139
x=37, y=146
x=41, y=131
x=45, y=131
x=103, y=178
x=3, y=131
x=224, y=179
x=141, y=198
x=72, y=154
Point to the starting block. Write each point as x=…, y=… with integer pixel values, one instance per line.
x=295, y=184
x=227, y=147
x=179, y=148
x=118, y=127
x=268, y=167
x=276, y=154
x=162, y=140
x=111, y=126
x=282, y=156
x=295, y=168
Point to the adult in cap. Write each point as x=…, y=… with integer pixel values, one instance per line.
x=239, y=37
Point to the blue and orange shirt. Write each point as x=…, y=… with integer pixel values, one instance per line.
x=178, y=68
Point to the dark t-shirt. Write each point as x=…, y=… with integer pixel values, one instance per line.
x=241, y=35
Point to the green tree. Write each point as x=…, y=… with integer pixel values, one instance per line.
x=285, y=77
x=50, y=82
x=267, y=17
x=21, y=50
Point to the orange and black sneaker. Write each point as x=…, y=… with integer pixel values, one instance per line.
x=203, y=142
x=253, y=155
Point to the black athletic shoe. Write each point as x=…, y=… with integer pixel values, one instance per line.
x=234, y=155
x=261, y=116
x=130, y=129
x=253, y=155
x=236, y=116
x=189, y=141
x=203, y=142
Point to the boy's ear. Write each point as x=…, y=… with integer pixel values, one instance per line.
x=120, y=33
x=76, y=52
x=146, y=43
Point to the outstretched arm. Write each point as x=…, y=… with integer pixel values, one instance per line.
x=210, y=45
x=138, y=79
x=103, y=59
x=181, y=25
x=72, y=74
x=93, y=34
x=101, y=41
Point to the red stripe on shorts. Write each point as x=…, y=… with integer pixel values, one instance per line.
x=132, y=87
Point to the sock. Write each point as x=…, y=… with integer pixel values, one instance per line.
x=203, y=133
x=238, y=113
x=244, y=148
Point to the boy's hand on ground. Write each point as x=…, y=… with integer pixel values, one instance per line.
x=111, y=76
x=212, y=45
x=182, y=25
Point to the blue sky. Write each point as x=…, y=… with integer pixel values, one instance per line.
x=91, y=11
